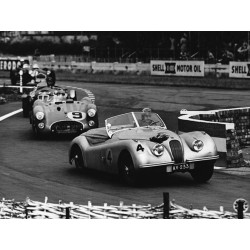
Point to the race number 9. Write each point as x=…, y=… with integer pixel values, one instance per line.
x=76, y=115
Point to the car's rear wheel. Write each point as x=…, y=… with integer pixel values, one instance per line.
x=78, y=159
x=203, y=171
x=126, y=170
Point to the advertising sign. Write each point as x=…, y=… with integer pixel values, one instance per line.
x=239, y=69
x=7, y=64
x=177, y=68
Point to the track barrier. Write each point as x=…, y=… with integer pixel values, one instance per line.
x=29, y=209
x=229, y=128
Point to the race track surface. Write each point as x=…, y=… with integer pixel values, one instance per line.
x=39, y=168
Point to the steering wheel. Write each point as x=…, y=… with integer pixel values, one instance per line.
x=153, y=123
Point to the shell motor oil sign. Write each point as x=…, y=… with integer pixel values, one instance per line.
x=239, y=69
x=177, y=68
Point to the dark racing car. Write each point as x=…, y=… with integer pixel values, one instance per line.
x=25, y=74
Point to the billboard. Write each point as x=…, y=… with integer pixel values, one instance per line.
x=177, y=68
x=239, y=69
x=7, y=64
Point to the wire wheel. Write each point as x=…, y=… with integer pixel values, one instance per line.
x=127, y=170
x=36, y=131
x=79, y=163
x=203, y=171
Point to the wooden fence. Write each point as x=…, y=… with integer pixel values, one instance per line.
x=29, y=209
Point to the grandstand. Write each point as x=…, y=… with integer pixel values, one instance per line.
x=128, y=46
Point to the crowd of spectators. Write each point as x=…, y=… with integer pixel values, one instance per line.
x=213, y=47
x=230, y=51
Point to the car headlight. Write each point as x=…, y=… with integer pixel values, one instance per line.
x=158, y=150
x=198, y=145
x=91, y=123
x=39, y=115
x=91, y=112
x=41, y=125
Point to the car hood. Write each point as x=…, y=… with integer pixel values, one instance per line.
x=59, y=111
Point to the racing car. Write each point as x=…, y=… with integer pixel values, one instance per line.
x=130, y=145
x=57, y=111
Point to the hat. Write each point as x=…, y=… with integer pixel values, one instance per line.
x=35, y=66
x=26, y=66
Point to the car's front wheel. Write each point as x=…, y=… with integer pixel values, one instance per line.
x=203, y=171
x=25, y=107
x=78, y=159
x=126, y=169
x=36, y=131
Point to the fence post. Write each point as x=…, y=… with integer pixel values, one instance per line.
x=26, y=212
x=165, y=205
x=67, y=213
x=21, y=81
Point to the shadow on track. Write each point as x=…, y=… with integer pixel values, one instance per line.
x=152, y=181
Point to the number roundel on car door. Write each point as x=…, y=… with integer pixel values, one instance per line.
x=76, y=115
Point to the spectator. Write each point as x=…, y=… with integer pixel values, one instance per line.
x=210, y=57
x=227, y=56
x=172, y=47
x=183, y=46
x=243, y=51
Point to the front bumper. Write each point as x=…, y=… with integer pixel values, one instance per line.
x=170, y=167
x=64, y=127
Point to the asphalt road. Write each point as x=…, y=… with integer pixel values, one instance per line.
x=39, y=168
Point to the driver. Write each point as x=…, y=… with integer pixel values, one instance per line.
x=146, y=117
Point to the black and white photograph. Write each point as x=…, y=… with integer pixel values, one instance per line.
x=141, y=130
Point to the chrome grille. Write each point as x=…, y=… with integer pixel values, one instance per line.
x=66, y=127
x=176, y=150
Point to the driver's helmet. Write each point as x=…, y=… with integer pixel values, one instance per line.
x=26, y=66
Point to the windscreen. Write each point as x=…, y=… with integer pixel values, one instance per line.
x=148, y=119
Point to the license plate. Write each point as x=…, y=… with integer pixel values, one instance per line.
x=178, y=167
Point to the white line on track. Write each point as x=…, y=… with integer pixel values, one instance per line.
x=10, y=114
